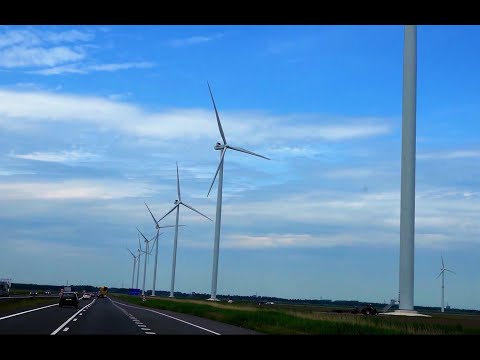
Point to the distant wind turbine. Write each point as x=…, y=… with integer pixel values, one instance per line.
x=223, y=147
x=139, y=254
x=156, y=247
x=442, y=272
x=134, y=265
x=177, y=207
x=146, y=252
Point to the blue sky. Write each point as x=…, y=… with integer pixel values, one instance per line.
x=93, y=119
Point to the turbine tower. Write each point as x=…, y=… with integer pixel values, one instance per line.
x=442, y=272
x=223, y=147
x=146, y=252
x=156, y=248
x=407, y=201
x=139, y=254
x=134, y=265
x=177, y=207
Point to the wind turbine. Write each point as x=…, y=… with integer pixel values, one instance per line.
x=177, y=207
x=442, y=272
x=139, y=253
x=146, y=252
x=407, y=187
x=223, y=147
x=134, y=265
x=156, y=247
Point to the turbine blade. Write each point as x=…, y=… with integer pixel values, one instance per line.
x=168, y=213
x=218, y=117
x=130, y=252
x=165, y=226
x=224, y=150
x=453, y=272
x=153, y=217
x=178, y=184
x=198, y=212
x=139, y=243
x=246, y=151
x=439, y=274
x=442, y=263
x=146, y=240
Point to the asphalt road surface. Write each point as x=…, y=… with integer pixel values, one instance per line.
x=111, y=317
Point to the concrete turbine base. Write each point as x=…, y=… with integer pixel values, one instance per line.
x=211, y=299
x=405, y=313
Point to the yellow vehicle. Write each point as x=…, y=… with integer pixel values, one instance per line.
x=102, y=292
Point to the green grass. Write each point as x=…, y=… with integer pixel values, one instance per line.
x=7, y=306
x=275, y=320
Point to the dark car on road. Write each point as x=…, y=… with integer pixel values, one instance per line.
x=33, y=293
x=68, y=299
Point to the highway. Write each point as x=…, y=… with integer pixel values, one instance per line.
x=110, y=317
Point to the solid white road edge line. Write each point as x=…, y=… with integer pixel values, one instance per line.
x=24, y=312
x=174, y=318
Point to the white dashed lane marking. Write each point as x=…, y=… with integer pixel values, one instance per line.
x=66, y=329
x=74, y=320
x=149, y=332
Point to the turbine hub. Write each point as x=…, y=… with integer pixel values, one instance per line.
x=218, y=146
x=176, y=202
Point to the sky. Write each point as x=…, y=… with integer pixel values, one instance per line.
x=93, y=120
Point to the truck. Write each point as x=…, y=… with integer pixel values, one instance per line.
x=102, y=292
x=5, y=285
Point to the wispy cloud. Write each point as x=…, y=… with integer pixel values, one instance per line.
x=20, y=56
x=238, y=241
x=85, y=69
x=54, y=53
x=248, y=128
x=60, y=157
x=54, y=249
x=447, y=155
x=74, y=190
x=193, y=40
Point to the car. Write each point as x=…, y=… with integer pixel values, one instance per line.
x=86, y=296
x=68, y=298
x=33, y=293
x=47, y=292
x=369, y=310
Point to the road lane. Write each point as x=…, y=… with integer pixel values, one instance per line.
x=41, y=322
x=102, y=318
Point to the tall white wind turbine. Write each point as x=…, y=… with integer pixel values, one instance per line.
x=158, y=227
x=223, y=147
x=177, y=207
x=146, y=252
x=442, y=272
x=407, y=194
x=139, y=254
x=134, y=265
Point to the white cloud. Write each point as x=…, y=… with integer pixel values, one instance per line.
x=238, y=241
x=56, y=250
x=25, y=37
x=250, y=128
x=85, y=69
x=455, y=154
x=74, y=190
x=67, y=36
x=61, y=157
x=20, y=56
x=194, y=40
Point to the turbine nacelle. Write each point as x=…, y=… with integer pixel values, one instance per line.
x=219, y=146
x=176, y=202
